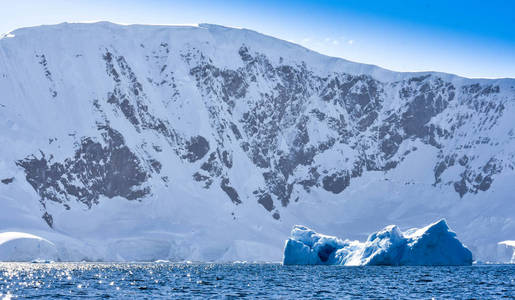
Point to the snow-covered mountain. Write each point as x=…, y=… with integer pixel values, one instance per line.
x=209, y=143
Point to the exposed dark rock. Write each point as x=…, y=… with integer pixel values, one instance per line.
x=463, y=160
x=319, y=115
x=279, y=186
x=108, y=58
x=48, y=219
x=227, y=159
x=244, y=53
x=234, y=84
x=95, y=170
x=7, y=180
x=197, y=147
x=336, y=182
x=448, y=161
x=236, y=131
x=156, y=165
x=206, y=179
x=230, y=191
x=485, y=183
x=265, y=200
x=461, y=187
x=128, y=96
x=212, y=165
x=311, y=181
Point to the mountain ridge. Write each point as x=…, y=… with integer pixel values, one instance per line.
x=224, y=27
x=177, y=135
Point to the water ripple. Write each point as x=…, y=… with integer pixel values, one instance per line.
x=231, y=281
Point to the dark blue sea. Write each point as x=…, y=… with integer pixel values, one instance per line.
x=251, y=281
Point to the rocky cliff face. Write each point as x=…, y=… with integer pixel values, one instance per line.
x=151, y=113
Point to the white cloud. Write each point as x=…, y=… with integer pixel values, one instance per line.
x=335, y=42
x=350, y=42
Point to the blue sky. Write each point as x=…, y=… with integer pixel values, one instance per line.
x=469, y=38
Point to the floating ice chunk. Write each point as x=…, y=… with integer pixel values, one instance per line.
x=434, y=244
x=306, y=247
x=162, y=261
x=19, y=246
x=42, y=261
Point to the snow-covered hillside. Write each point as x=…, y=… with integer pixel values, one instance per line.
x=210, y=143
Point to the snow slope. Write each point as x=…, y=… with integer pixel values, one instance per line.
x=208, y=143
x=433, y=245
x=18, y=246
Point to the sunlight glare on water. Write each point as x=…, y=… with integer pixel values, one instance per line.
x=168, y=280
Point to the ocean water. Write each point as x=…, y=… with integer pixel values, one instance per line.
x=230, y=281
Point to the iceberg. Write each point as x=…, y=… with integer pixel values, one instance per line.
x=433, y=245
x=506, y=252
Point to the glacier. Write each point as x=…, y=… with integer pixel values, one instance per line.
x=208, y=143
x=19, y=246
x=433, y=245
